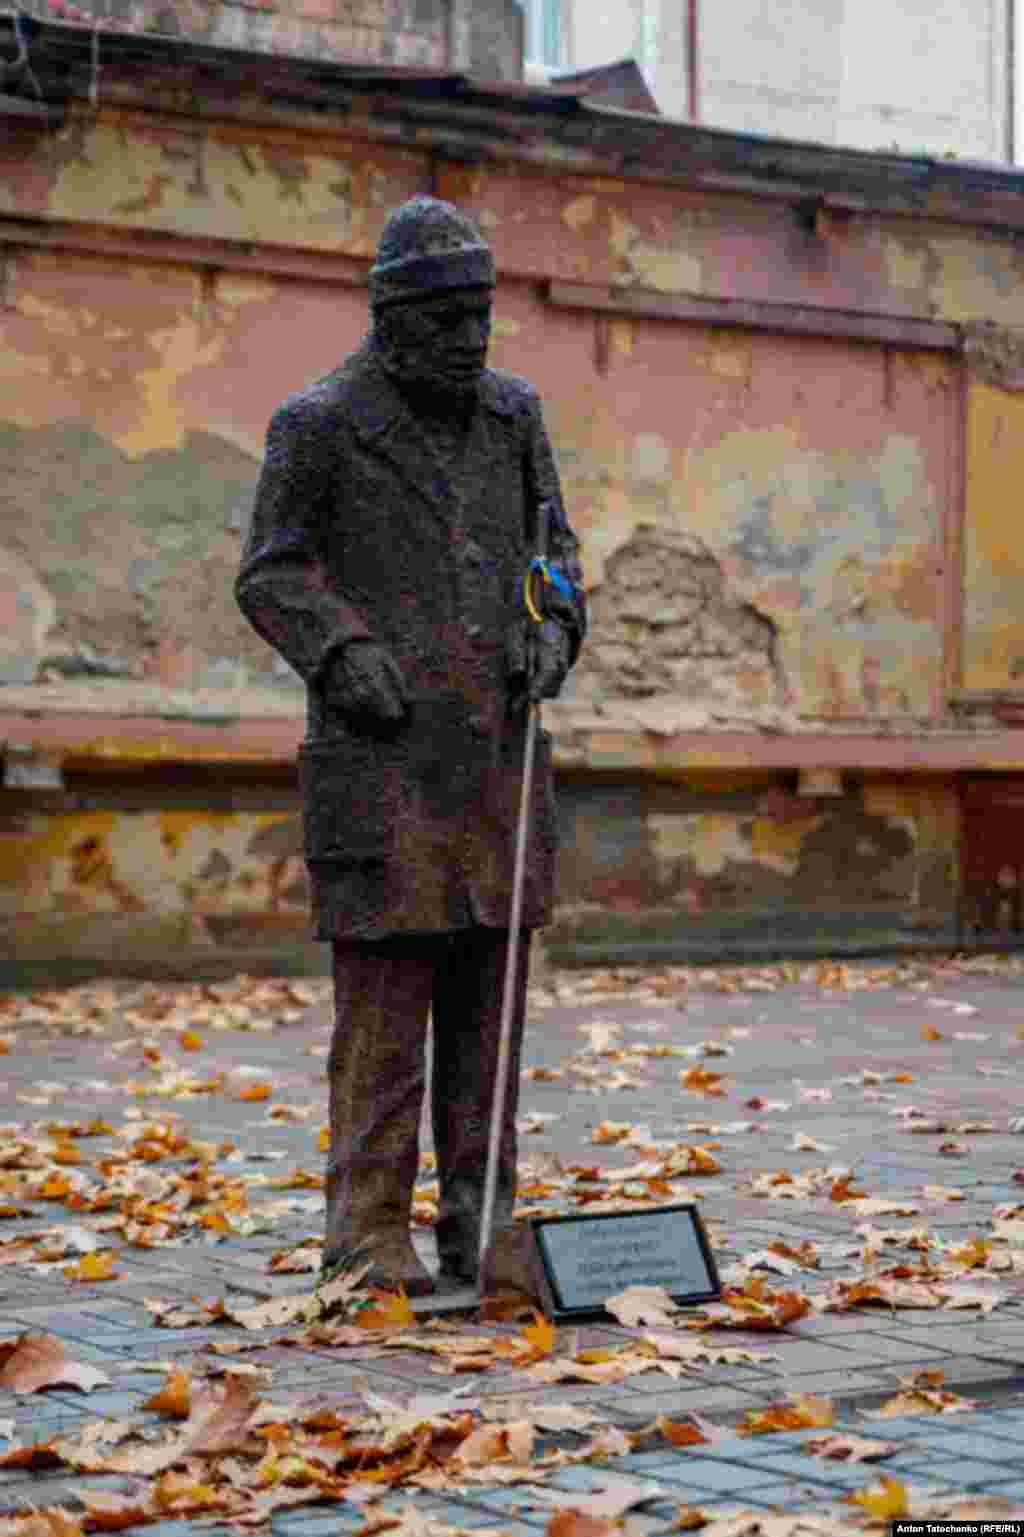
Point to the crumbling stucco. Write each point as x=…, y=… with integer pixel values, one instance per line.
x=670, y=648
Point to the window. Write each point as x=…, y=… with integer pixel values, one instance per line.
x=543, y=32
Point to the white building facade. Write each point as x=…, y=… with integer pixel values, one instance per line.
x=924, y=76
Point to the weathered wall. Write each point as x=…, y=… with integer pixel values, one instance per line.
x=717, y=859
x=196, y=878
x=413, y=33
x=146, y=880
x=768, y=519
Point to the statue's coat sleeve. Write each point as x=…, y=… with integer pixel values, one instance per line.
x=283, y=587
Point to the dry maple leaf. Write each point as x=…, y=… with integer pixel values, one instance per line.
x=802, y=1412
x=642, y=1305
x=36, y=1361
x=850, y=1448
x=115, y=1512
x=97, y=1266
x=886, y=1502
x=389, y=1311
x=174, y=1399
x=539, y=1336
x=699, y=1081
x=53, y=1522
x=576, y=1523
x=678, y=1434
x=183, y=1494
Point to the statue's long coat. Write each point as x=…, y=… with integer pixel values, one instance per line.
x=362, y=527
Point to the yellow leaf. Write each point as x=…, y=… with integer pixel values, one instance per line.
x=98, y=1266
x=190, y=1040
x=323, y=1141
x=179, y=1492
x=887, y=1502
x=255, y=1091
x=929, y=1033
x=540, y=1335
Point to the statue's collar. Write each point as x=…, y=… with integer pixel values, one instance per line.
x=377, y=404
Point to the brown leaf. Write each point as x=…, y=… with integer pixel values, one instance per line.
x=53, y=1522
x=699, y=1081
x=571, y=1522
x=174, y=1399
x=219, y=1420
x=114, y=1512
x=640, y=1305
x=850, y=1448
x=36, y=1361
x=802, y=1412
x=678, y=1434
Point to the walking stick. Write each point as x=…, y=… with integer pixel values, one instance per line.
x=515, y=921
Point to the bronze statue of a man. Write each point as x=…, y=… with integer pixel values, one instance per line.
x=396, y=516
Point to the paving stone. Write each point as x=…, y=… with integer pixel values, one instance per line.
x=965, y=1472
x=818, y=1470
x=877, y=1348
x=712, y=1475
x=309, y=1522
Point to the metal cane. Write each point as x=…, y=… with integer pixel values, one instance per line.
x=518, y=881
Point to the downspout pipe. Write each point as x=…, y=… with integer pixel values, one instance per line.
x=693, y=60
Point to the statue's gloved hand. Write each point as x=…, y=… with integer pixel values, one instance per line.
x=551, y=661
x=536, y=661
x=364, y=683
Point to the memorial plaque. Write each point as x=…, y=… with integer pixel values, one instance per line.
x=584, y=1260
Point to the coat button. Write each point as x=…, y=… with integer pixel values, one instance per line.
x=473, y=630
x=478, y=725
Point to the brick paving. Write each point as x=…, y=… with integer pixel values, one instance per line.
x=857, y=1068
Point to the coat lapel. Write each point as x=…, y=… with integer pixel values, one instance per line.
x=387, y=427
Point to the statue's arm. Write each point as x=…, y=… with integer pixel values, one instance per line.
x=282, y=586
x=544, y=489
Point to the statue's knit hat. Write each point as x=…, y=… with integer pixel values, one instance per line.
x=428, y=246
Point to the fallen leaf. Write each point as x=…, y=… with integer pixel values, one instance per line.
x=540, y=1336
x=98, y=1266
x=390, y=1310
x=174, y=1399
x=639, y=1305
x=886, y=1502
x=572, y=1522
x=678, y=1434
x=850, y=1448
x=36, y=1361
x=699, y=1081
x=802, y=1412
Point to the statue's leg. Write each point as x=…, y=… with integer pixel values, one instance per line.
x=376, y=1081
x=468, y=987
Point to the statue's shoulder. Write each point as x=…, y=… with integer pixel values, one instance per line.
x=328, y=398
x=506, y=393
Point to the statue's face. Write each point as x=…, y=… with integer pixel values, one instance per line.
x=438, y=344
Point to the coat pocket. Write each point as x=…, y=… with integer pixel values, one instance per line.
x=350, y=799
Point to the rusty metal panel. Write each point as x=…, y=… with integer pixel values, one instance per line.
x=992, y=896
